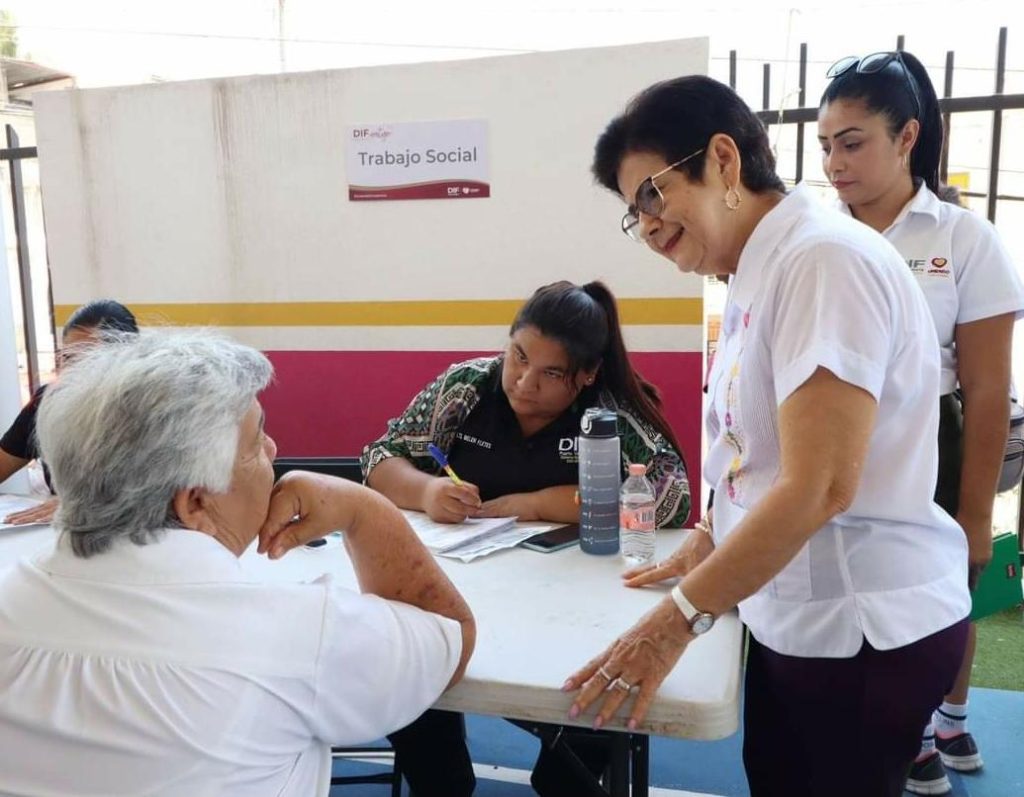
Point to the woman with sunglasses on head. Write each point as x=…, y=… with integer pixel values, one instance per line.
x=881, y=134
x=508, y=425
x=18, y=445
x=823, y=533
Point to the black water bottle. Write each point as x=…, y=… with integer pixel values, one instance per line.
x=599, y=481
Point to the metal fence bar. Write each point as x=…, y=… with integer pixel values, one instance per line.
x=24, y=273
x=766, y=83
x=732, y=69
x=997, y=128
x=18, y=153
x=1000, y=102
x=801, y=99
x=947, y=117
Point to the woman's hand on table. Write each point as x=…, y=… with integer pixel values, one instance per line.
x=444, y=501
x=43, y=513
x=697, y=546
x=638, y=661
x=517, y=505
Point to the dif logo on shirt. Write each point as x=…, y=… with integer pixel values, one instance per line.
x=568, y=450
x=938, y=266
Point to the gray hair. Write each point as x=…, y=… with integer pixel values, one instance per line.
x=137, y=418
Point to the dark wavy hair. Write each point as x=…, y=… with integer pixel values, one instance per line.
x=677, y=117
x=887, y=92
x=584, y=319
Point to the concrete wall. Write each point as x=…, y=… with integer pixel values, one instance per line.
x=224, y=202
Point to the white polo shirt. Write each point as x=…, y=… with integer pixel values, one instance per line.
x=961, y=265
x=816, y=289
x=165, y=669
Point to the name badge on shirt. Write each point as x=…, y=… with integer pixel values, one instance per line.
x=476, y=441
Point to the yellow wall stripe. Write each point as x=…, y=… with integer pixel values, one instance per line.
x=446, y=313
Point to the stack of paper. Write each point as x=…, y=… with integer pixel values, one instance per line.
x=474, y=537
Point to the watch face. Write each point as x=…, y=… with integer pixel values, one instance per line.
x=702, y=623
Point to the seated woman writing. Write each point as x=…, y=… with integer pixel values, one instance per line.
x=508, y=426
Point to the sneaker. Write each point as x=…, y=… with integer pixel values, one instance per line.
x=928, y=776
x=959, y=752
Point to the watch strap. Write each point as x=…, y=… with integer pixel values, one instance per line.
x=689, y=611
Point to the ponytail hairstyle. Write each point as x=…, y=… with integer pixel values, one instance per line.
x=896, y=91
x=584, y=319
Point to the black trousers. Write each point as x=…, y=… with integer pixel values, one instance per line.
x=554, y=775
x=816, y=727
x=435, y=761
x=951, y=453
x=433, y=755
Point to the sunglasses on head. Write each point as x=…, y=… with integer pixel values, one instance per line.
x=873, y=63
x=649, y=200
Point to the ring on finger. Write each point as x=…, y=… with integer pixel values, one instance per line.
x=618, y=683
x=604, y=673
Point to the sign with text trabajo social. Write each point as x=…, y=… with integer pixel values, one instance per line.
x=418, y=160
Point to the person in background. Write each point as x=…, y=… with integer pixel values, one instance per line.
x=138, y=656
x=18, y=445
x=508, y=425
x=881, y=135
x=849, y=578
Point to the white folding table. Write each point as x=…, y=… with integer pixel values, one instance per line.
x=541, y=616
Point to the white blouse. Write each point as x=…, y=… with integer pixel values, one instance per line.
x=168, y=669
x=814, y=289
x=961, y=265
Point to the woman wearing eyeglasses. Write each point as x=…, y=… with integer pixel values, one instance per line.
x=881, y=136
x=824, y=534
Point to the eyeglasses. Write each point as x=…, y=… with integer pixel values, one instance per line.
x=648, y=200
x=871, y=64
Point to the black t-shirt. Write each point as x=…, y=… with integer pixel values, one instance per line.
x=20, y=440
x=491, y=452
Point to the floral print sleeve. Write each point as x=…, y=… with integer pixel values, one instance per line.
x=433, y=416
x=641, y=442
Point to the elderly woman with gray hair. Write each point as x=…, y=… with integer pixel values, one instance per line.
x=138, y=657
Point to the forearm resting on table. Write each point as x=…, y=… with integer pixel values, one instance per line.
x=557, y=504
x=400, y=481
x=390, y=561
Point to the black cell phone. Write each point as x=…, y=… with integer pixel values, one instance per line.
x=554, y=540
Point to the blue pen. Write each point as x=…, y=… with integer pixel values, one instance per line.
x=442, y=460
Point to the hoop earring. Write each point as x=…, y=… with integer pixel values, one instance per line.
x=732, y=199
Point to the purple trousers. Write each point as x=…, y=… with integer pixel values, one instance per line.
x=816, y=727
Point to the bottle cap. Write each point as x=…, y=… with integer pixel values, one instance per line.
x=599, y=422
x=637, y=469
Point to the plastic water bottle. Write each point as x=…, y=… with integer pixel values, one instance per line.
x=636, y=529
x=599, y=481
